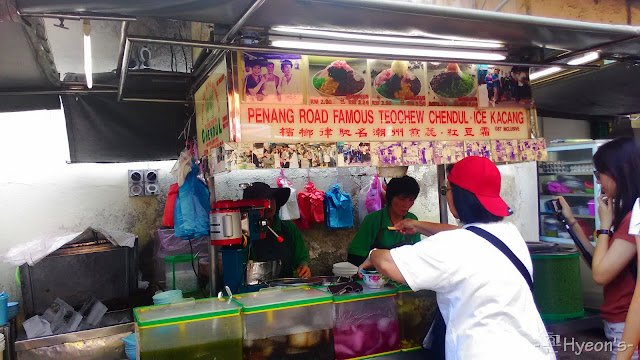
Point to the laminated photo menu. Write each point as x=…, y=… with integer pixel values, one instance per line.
x=397, y=82
x=386, y=154
x=334, y=81
x=452, y=84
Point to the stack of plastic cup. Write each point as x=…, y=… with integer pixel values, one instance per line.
x=168, y=297
x=130, y=346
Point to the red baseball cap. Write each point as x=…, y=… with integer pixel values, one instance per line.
x=480, y=176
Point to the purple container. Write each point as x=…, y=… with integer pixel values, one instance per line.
x=592, y=207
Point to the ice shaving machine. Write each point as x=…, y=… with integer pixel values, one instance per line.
x=235, y=225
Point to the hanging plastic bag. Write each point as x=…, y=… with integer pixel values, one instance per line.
x=311, y=205
x=191, y=212
x=338, y=209
x=182, y=167
x=362, y=199
x=290, y=210
x=374, y=195
x=167, y=218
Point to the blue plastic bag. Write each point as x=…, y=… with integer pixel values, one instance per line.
x=191, y=211
x=338, y=209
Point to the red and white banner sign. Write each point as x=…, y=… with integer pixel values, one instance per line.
x=317, y=123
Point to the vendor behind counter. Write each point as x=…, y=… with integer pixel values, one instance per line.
x=374, y=231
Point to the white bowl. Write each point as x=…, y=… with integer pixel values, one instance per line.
x=373, y=279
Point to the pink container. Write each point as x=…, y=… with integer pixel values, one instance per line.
x=592, y=207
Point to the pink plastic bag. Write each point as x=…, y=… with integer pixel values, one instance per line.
x=374, y=196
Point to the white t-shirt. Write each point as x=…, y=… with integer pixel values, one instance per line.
x=634, y=224
x=485, y=301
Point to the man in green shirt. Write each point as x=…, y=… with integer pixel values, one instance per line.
x=374, y=231
x=291, y=250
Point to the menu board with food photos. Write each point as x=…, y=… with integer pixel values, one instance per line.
x=452, y=84
x=397, y=82
x=334, y=81
x=532, y=150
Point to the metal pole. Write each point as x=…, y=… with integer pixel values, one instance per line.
x=57, y=92
x=123, y=39
x=269, y=49
x=124, y=67
x=444, y=215
x=80, y=16
x=207, y=64
x=214, y=282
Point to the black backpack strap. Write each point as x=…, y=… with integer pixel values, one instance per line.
x=505, y=250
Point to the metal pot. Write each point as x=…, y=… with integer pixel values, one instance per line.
x=262, y=272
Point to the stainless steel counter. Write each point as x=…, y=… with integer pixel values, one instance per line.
x=96, y=344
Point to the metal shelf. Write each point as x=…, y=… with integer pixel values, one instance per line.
x=575, y=216
x=566, y=173
x=570, y=194
x=562, y=241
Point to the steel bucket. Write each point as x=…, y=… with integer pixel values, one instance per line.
x=262, y=272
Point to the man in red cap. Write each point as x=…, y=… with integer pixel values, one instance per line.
x=482, y=285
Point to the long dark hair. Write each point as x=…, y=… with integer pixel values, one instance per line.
x=620, y=159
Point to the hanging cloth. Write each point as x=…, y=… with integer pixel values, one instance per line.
x=338, y=209
x=290, y=210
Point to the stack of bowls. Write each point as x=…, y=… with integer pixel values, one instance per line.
x=12, y=310
x=345, y=269
x=130, y=346
x=168, y=297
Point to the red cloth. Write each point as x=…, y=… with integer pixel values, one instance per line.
x=310, y=203
x=618, y=293
x=167, y=218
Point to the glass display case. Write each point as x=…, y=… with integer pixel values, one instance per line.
x=569, y=173
x=287, y=324
x=208, y=328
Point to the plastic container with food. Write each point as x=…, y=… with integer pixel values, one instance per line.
x=208, y=328
x=415, y=314
x=366, y=323
x=288, y=323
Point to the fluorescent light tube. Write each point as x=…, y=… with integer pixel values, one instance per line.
x=543, y=73
x=587, y=58
x=88, y=64
x=366, y=49
x=389, y=39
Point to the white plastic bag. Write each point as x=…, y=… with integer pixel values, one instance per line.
x=362, y=199
x=290, y=210
x=182, y=167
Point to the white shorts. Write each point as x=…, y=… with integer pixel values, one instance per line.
x=613, y=331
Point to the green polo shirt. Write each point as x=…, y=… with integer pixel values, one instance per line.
x=362, y=243
x=294, y=236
